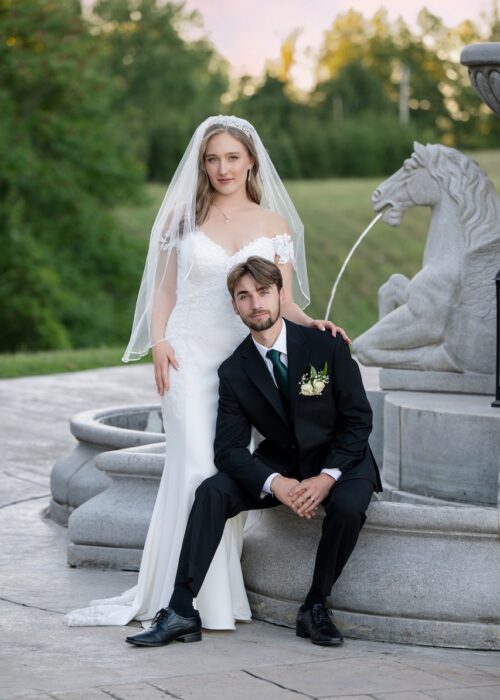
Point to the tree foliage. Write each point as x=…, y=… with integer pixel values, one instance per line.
x=65, y=160
x=166, y=83
x=94, y=102
x=305, y=141
x=361, y=64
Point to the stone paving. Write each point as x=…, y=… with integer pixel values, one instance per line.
x=41, y=658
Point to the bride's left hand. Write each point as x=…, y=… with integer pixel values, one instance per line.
x=328, y=325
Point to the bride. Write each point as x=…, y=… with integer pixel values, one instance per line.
x=225, y=203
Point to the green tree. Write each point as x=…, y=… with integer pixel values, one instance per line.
x=167, y=84
x=361, y=64
x=270, y=109
x=355, y=90
x=64, y=270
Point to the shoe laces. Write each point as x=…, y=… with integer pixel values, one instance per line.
x=319, y=614
x=159, y=616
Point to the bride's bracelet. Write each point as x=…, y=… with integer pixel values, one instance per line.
x=163, y=340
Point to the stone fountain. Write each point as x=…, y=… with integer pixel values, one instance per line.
x=427, y=566
x=483, y=63
x=426, y=340
x=426, y=569
x=75, y=478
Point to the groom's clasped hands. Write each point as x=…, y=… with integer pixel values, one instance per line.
x=302, y=497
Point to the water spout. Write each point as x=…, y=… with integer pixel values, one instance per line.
x=346, y=261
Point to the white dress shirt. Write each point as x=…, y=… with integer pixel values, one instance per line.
x=280, y=345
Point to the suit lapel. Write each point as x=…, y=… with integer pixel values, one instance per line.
x=256, y=370
x=298, y=355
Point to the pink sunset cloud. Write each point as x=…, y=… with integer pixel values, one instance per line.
x=251, y=32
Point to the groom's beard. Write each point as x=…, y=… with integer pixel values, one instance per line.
x=256, y=322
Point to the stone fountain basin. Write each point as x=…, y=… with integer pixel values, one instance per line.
x=418, y=575
x=425, y=570
x=485, y=54
x=74, y=478
x=109, y=530
x=483, y=62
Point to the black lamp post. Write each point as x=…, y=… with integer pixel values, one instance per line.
x=496, y=402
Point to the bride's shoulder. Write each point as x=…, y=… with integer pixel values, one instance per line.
x=273, y=224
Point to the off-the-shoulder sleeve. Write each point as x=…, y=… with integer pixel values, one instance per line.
x=164, y=242
x=283, y=247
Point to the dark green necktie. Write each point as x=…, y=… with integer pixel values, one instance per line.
x=280, y=371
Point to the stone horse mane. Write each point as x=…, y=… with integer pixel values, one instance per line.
x=456, y=173
x=443, y=319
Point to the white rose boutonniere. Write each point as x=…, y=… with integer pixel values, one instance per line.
x=307, y=389
x=314, y=381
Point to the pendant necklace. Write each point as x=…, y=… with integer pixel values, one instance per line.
x=226, y=218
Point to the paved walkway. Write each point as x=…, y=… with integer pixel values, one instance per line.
x=42, y=658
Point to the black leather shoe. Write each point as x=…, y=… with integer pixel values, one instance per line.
x=167, y=627
x=315, y=623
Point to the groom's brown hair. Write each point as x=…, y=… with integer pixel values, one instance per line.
x=264, y=272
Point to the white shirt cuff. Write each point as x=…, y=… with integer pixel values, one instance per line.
x=266, y=489
x=334, y=473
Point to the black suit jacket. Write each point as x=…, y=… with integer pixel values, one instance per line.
x=313, y=433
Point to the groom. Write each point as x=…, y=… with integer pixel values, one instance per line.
x=302, y=391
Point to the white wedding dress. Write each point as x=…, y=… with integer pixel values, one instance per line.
x=203, y=330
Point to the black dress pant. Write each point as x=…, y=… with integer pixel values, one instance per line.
x=220, y=497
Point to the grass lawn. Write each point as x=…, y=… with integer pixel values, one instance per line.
x=28, y=364
x=335, y=212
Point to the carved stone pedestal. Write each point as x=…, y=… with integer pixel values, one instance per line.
x=444, y=446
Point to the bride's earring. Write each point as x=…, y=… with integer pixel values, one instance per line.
x=249, y=175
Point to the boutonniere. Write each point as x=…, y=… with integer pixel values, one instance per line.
x=314, y=381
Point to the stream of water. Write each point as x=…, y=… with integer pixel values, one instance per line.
x=346, y=261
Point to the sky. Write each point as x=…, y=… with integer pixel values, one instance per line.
x=250, y=32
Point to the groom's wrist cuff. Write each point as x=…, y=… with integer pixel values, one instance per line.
x=266, y=489
x=334, y=473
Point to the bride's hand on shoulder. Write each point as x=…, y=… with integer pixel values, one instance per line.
x=329, y=326
x=163, y=357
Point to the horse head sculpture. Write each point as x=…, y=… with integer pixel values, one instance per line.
x=443, y=319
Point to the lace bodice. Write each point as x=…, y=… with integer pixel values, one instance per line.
x=203, y=302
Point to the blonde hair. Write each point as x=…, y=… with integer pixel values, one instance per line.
x=205, y=190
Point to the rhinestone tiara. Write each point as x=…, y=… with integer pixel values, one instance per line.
x=235, y=122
